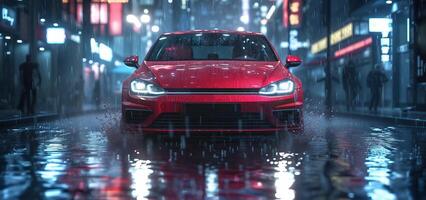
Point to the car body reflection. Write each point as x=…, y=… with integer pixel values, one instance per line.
x=160, y=166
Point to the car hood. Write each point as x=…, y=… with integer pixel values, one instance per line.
x=216, y=74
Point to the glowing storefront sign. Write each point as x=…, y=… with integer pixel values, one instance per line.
x=319, y=46
x=353, y=47
x=380, y=25
x=336, y=37
x=99, y=13
x=116, y=19
x=55, y=35
x=342, y=34
x=295, y=12
x=8, y=16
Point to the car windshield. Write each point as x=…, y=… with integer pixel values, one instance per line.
x=212, y=46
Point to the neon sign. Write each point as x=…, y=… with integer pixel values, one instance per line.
x=285, y=13
x=354, y=47
x=295, y=13
x=336, y=37
x=342, y=34
x=8, y=16
x=319, y=46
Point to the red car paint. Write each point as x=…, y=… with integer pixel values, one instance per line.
x=219, y=76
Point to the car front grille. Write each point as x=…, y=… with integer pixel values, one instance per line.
x=211, y=121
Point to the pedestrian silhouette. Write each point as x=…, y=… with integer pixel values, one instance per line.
x=350, y=84
x=77, y=93
x=375, y=81
x=28, y=70
x=97, y=94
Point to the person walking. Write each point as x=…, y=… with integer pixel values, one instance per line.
x=375, y=81
x=28, y=70
x=350, y=84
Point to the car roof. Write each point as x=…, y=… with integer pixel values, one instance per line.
x=212, y=31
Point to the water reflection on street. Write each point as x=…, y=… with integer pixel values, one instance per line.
x=88, y=157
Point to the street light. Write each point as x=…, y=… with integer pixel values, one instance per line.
x=245, y=19
x=145, y=18
x=132, y=19
x=155, y=28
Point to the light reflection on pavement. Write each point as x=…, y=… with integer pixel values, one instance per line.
x=88, y=157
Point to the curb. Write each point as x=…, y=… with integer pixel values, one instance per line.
x=387, y=119
x=44, y=118
x=28, y=120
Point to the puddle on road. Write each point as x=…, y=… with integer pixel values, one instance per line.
x=342, y=160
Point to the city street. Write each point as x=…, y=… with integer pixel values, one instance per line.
x=213, y=99
x=89, y=157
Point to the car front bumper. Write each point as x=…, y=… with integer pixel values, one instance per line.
x=254, y=113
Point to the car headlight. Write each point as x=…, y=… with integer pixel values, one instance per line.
x=278, y=88
x=145, y=88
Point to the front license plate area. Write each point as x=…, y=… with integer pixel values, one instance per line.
x=211, y=109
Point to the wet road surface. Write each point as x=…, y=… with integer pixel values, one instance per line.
x=87, y=157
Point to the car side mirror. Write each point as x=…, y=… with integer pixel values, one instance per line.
x=292, y=61
x=132, y=61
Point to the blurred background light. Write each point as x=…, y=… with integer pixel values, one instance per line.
x=55, y=35
x=105, y=52
x=271, y=12
x=155, y=28
x=240, y=28
x=380, y=25
x=145, y=18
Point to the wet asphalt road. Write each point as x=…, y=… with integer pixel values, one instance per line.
x=88, y=157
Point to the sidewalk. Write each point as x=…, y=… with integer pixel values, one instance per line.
x=390, y=115
x=13, y=117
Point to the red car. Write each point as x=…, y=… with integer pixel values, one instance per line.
x=204, y=81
